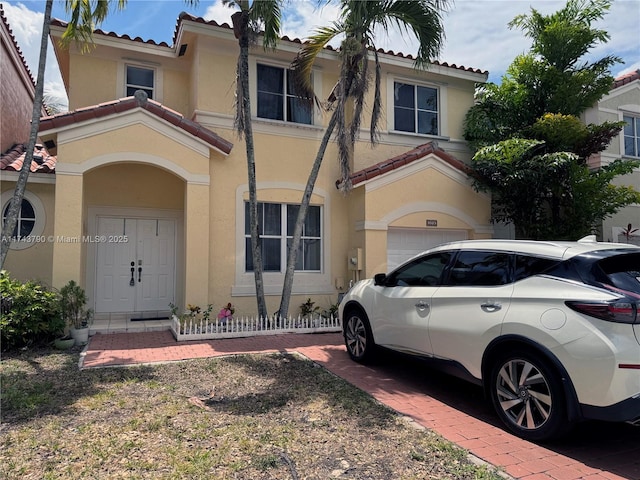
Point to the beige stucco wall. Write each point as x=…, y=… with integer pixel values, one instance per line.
x=131, y=184
x=34, y=262
x=84, y=89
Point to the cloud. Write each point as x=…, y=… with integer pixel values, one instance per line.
x=27, y=30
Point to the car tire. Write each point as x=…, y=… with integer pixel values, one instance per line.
x=357, y=336
x=527, y=395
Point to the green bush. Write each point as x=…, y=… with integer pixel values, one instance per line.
x=30, y=313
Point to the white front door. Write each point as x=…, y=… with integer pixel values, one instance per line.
x=135, y=264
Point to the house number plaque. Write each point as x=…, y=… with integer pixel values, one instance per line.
x=432, y=223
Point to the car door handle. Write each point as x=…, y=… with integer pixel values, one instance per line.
x=490, y=307
x=422, y=305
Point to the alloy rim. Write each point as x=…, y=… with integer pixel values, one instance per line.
x=356, y=336
x=524, y=394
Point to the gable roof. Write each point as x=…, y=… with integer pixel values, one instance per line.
x=403, y=159
x=13, y=159
x=626, y=78
x=139, y=100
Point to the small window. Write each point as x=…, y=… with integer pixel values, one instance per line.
x=632, y=136
x=415, y=108
x=139, y=78
x=422, y=272
x=277, y=99
x=26, y=220
x=480, y=269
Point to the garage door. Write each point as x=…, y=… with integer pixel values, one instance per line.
x=404, y=243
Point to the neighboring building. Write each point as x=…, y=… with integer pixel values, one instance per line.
x=622, y=103
x=17, y=91
x=150, y=193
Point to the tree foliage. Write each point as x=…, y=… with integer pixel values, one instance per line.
x=550, y=78
x=532, y=149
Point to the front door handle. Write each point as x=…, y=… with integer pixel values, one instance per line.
x=490, y=307
x=139, y=274
x=132, y=282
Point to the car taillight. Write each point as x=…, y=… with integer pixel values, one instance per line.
x=619, y=311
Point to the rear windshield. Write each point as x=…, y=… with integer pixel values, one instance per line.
x=621, y=271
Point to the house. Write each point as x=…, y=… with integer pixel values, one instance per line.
x=622, y=103
x=17, y=91
x=149, y=201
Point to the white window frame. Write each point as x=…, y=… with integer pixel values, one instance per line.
x=285, y=95
x=157, y=77
x=316, y=79
x=305, y=282
x=636, y=136
x=442, y=96
x=35, y=237
x=283, y=238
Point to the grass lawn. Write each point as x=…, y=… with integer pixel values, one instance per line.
x=242, y=417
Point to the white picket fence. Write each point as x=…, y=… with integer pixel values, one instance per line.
x=200, y=329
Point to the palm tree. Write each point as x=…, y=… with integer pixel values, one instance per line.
x=83, y=16
x=246, y=24
x=357, y=22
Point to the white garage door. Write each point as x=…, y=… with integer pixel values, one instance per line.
x=404, y=243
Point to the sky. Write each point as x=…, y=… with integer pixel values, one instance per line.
x=477, y=32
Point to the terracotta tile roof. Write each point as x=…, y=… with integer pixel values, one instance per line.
x=626, y=78
x=140, y=100
x=188, y=17
x=4, y=20
x=13, y=159
x=405, y=159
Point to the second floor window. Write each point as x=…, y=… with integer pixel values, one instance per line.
x=632, y=136
x=276, y=223
x=415, y=108
x=139, y=78
x=276, y=96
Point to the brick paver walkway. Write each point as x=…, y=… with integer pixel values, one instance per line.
x=455, y=410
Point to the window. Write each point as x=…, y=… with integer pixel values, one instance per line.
x=632, y=136
x=277, y=99
x=139, y=78
x=528, y=266
x=415, y=108
x=480, y=269
x=276, y=223
x=26, y=219
x=422, y=272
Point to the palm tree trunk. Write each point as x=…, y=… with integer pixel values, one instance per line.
x=302, y=213
x=21, y=184
x=243, y=77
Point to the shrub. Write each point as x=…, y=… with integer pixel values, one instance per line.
x=30, y=313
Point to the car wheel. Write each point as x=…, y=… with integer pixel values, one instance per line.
x=528, y=396
x=357, y=336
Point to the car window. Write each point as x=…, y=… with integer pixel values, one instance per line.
x=476, y=268
x=621, y=271
x=528, y=266
x=422, y=272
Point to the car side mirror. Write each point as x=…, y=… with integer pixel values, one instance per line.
x=380, y=279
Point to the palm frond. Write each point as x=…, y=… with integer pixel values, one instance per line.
x=268, y=14
x=302, y=65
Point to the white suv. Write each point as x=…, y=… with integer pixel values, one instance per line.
x=550, y=329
